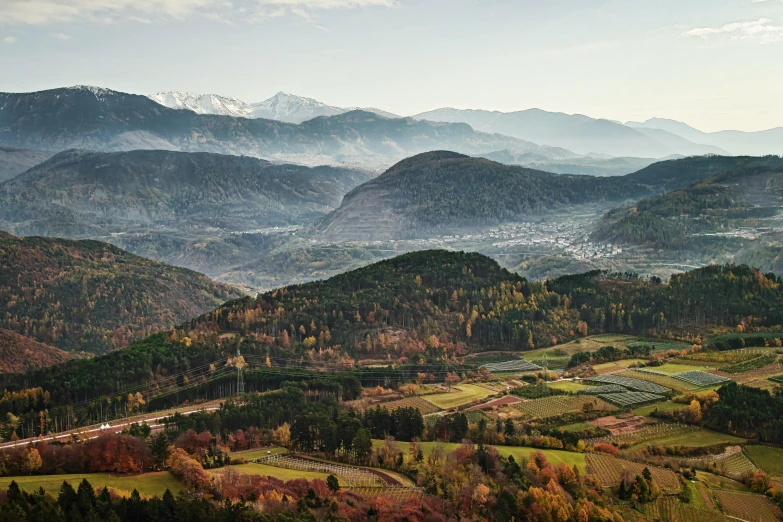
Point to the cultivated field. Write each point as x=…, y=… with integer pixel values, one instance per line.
x=667, y=381
x=696, y=438
x=631, y=399
x=767, y=458
x=462, y=394
x=559, y=405
x=496, y=403
x=746, y=506
x=609, y=471
x=615, y=366
x=568, y=386
x=147, y=484
x=420, y=404
x=627, y=382
x=672, y=510
x=274, y=471
x=649, y=432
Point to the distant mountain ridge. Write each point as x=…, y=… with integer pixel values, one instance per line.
x=281, y=107
x=14, y=160
x=758, y=143
x=575, y=132
x=101, y=119
x=21, y=354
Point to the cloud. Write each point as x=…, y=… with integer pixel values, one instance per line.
x=762, y=29
x=9, y=39
x=60, y=36
x=38, y=12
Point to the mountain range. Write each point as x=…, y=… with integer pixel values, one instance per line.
x=199, y=210
x=101, y=119
x=281, y=107
x=654, y=138
x=14, y=160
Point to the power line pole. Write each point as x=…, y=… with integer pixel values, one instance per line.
x=240, y=377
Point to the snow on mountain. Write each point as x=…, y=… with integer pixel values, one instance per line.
x=281, y=107
x=203, y=103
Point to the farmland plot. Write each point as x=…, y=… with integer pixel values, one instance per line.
x=462, y=394
x=518, y=365
x=662, y=379
x=645, y=434
x=747, y=506
x=411, y=402
x=609, y=471
x=631, y=399
x=671, y=509
x=559, y=405
x=767, y=458
x=595, y=390
x=700, y=378
x=627, y=382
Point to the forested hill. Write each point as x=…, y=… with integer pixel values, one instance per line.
x=20, y=354
x=723, y=205
x=78, y=193
x=422, y=308
x=91, y=296
x=444, y=190
x=678, y=173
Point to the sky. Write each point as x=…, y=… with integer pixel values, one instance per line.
x=715, y=64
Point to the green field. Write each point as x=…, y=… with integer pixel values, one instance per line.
x=767, y=458
x=147, y=484
x=272, y=471
x=670, y=368
x=701, y=437
x=569, y=386
x=257, y=453
x=661, y=406
x=553, y=456
x=616, y=365
x=461, y=394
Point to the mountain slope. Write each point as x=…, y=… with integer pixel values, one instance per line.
x=100, y=119
x=757, y=143
x=725, y=206
x=14, y=161
x=203, y=103
x=576, y=132
x=21, y=354
x=445, y=191
x=77, y=190
x=87, y=295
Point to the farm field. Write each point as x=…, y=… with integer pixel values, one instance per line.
x=671, y=509
x=271, y=471
x=425, y=406
x=257, y=453
x=646, y=433
x=660, y=406
x=568, y=386
x=700, y=437
x=496, y=403
x=518, y=452
x=609, y=471
x=147, y=484
x=769, y=459
x=614, y=366
x=630, y=399
x=750, y=365
x=628, y=382
x=736, y=464
x=462, y=394
x=559, y=405
x=661, y=380
x=746, y=506
x=673, y=367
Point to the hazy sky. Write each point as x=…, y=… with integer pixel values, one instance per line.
x=715, y=64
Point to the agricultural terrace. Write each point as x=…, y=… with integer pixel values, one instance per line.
x=768, y=458
x=462, y=394
x=691, y=439
x=560, y=405
x=518, y=452
x=609, y=471
x=751, y=364
x=747, y=506
x=147, y=484
x=701, y=379
x=627, y=382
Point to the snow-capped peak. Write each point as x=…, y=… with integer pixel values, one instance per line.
x=202, y=103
